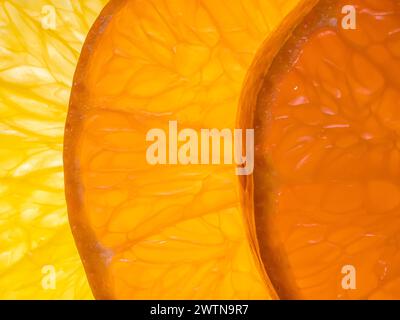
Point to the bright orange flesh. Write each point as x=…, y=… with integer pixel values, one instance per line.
x=327, y=159
x=163, y=232
x=326, y=182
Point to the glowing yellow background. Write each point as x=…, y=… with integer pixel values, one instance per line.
x=36, y=70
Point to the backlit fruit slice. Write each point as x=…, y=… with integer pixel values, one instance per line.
x=38, y=55
x=168, y=231
x=326, y=180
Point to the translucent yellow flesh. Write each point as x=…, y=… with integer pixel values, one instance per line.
x=36, y=70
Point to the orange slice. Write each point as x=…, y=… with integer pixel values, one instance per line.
x=161, y=231
x=326, y=181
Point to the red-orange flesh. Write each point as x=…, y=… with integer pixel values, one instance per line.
x=326, y=182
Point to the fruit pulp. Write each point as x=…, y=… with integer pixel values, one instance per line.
x=327, y=162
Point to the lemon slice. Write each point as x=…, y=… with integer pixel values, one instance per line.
x=40, y=43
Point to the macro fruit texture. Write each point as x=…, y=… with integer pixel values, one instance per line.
x=325, y=195
x=36, y=69
x=161, y=231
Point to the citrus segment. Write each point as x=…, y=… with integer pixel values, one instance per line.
x=326, y=179
x=169, y=231
x=37, y=62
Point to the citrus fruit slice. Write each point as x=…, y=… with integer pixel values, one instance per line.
x=38, y=54
x=171, y=231
x=326, y=181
